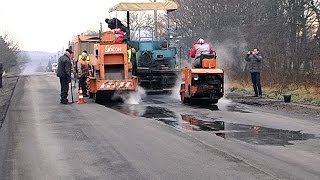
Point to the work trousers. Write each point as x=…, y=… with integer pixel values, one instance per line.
x=0, y=80
x=196, y=63
x=83, y=84
x=255, y=77
x=64, y=82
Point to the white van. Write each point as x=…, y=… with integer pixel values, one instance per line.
x=54, y=67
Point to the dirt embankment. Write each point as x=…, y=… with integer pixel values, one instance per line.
x=278, y=106
x=8, y=85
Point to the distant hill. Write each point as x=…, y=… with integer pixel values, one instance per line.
x=38, y=61
x=41, y=54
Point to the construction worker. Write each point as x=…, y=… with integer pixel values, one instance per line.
x=119, y=35
x=115, y=23
x=132, y=59
x=199, y=48
x=64, y=73
x=84, y=54
x=131, y=51
x=122, y=34
x=83, y=72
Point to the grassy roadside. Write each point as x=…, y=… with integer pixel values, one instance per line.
x=6, y=91
x=300, y=94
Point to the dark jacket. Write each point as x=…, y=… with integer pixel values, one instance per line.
x=116, y=23
x=64, y=67
x=1, y=69
x=254, y=62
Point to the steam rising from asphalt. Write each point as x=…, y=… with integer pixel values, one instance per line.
x=225, y=52
x=226, y=58
x=136, y=97
x=175, y=94
x=136, y=110
x=131, y=97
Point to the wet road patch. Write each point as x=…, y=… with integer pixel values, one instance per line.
x=204, y=106
x=151, y=112
x=230, y=107
x=247, y=133
x=236, y=108
x=161, y=114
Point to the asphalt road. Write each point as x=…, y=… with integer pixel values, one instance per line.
x=156, y=139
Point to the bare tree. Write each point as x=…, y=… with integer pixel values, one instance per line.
x=287, y=33
x=90, y=33
x=9, y=51
x=140, y=22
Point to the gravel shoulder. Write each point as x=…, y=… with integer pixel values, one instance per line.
x=8, y=84
x=293, y=110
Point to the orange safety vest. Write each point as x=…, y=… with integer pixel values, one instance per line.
x=84, y=69
x=87, y=58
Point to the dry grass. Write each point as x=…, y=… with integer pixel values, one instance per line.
x=300, y=93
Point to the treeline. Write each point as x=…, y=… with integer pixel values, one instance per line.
x=287, y=33
x=10, y=55
x=140, y=23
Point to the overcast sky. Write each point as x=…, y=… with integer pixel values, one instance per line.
x=48, y=25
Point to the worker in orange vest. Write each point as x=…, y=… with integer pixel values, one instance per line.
x=83, y=73
x=85, y=55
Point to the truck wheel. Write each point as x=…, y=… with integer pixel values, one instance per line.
x=214, y=101
x=97, y=98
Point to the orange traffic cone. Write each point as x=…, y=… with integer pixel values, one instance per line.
x=81, y=98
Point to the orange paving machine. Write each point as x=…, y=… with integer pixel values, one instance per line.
x=205, y=83
x=111, y=70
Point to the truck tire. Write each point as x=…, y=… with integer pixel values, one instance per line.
x=91, y=95
x=214, y=101
x=97, y=98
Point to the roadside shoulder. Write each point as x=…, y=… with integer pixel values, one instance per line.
x=8, y=85
x=277, y=106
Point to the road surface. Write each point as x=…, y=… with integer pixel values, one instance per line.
x=157, y=139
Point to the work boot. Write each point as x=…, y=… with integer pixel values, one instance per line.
x=65, y=102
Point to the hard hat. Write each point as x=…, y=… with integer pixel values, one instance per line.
x=201, y=41
x=69, y=50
